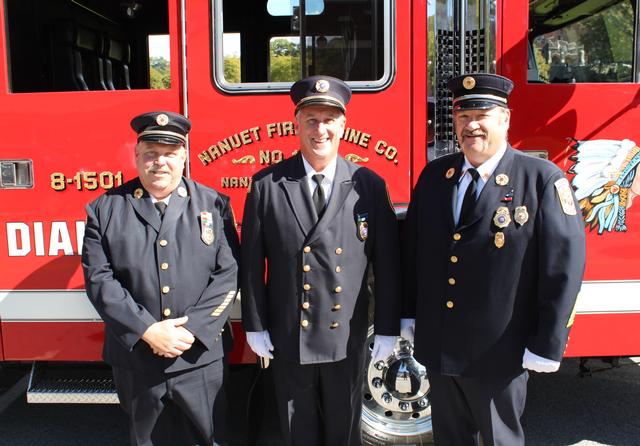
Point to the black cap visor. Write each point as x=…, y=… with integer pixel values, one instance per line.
x=162, y=137
x=321, y=100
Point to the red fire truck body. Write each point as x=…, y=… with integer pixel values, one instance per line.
x=65, y=135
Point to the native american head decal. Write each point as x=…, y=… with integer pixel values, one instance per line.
x=606, y=181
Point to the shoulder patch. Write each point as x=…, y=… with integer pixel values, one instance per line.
x=565, y=196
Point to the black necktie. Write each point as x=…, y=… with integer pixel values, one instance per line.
x=318, y=194
x=469, y=199
x=161, y=206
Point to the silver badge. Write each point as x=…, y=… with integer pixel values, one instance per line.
x=182, y=191
x=206, y=227
x=521, y=215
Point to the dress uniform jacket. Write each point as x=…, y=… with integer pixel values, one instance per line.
x=477, y=305
x=140, y=269
x=315, y=304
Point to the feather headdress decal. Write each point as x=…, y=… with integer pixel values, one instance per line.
x=606, y=181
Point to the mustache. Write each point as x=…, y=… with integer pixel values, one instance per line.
x=153, y=169
x=474, y=133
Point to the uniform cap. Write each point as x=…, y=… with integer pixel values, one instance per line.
x=479, y=91
x=320, y=90
x=161, y=126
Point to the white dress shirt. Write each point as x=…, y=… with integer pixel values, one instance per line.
x=329, y=173
x=485, y=170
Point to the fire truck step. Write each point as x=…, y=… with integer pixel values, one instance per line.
x=71, y=384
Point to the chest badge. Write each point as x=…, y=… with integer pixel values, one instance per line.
x=363, y=226
x=498, y=239
x=502, y=217
x=206, y=227
x=502, y=179
x=450, y=173
x=521, y=215
x=182, y=191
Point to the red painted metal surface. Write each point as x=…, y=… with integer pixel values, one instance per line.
x=49, y=341
x=77, y=132
x=604, y=335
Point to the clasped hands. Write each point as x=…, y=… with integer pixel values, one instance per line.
x=168, y=338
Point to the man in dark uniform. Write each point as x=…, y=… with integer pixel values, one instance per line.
x=159, y=268
x=319, y=222
x=495, y=252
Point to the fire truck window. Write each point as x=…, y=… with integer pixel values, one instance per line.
x=581, y=41
x=267, y=47
x=83, y=45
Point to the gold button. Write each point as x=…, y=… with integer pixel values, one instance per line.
x=334, y=325
x=306, y=287
x=306, y=268
x=454, y=259
x=304, y=323
x=336, y=307
x=452, y=281
x=457, y=236
x=165, y=289
x=307, y=249
x=167, y=312
x=338, y=289
x=449, y=304
x=338, y=251
x=164, y=266
x=306, y=305
x=163, y=242
x=338, y=269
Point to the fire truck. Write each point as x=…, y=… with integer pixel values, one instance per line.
x=74, y=72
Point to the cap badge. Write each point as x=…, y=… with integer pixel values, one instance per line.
x=521, y=215
x=498, y=240
x=502, y=179
x=322, y=86
x=468, y=82
x=162, y=119
x=450, y=173
x=206, y=227
x=363, y=226
x=138, y=193
x=182, y=191
x=502, y=217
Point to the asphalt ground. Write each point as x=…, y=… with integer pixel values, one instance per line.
x=564, y=408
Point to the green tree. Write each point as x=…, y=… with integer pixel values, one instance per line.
x=232, y=69
x=159, y=73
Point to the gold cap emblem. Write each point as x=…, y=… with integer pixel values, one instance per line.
x=502, y=179
x=450, y=173
x=138, y=193
x=468, y=82
x=162, y=119
x=322, y=86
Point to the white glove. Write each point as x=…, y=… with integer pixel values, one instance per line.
x=407, y=329
x=537, y=363
x=260, y=343
x=383, y=347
